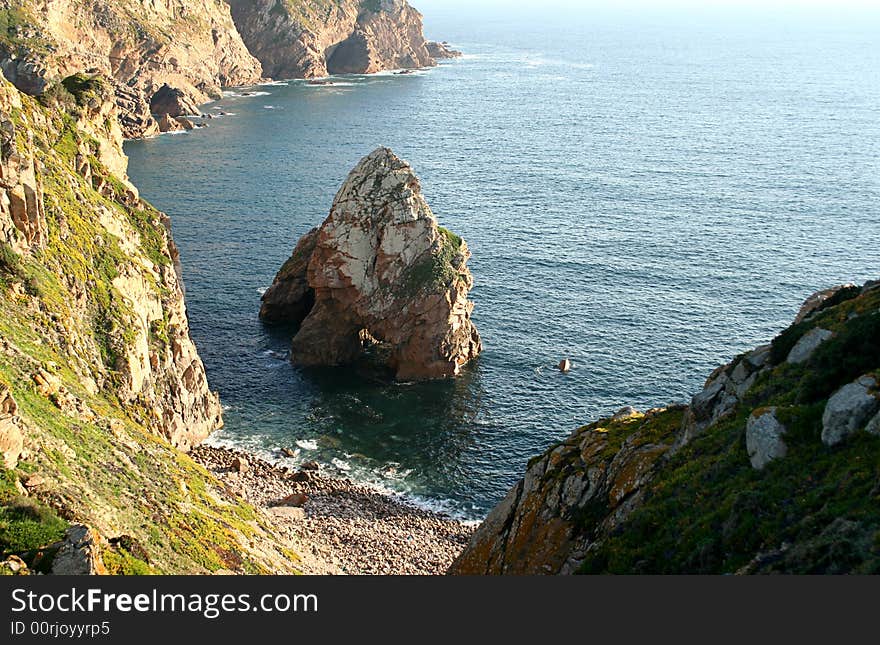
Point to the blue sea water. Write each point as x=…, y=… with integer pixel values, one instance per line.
x=646, y=194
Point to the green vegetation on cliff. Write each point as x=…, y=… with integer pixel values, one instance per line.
x=815, y=511
x=77, y=309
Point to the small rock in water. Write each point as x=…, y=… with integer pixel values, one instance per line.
x=310, y=465
x=565, y=366
x=287, y=452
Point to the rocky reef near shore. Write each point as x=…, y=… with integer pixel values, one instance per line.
x=772, y=468
x=379, y=274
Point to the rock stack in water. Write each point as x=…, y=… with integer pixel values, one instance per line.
x=379, y=272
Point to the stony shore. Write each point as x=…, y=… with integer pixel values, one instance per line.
x=337, y=526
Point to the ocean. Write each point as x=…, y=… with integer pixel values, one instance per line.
x=647, y=194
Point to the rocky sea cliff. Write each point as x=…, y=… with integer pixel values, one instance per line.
x=772, y=468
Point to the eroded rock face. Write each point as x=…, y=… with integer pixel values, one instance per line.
x=156, y=368
x=11, y=435
x=304, y=40
x=391, y=38
x=539, y=528
x=722, y=392
x=22, y=213
x=379, y=270
x=191, y=45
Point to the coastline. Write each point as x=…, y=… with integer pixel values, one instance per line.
x=338, y=526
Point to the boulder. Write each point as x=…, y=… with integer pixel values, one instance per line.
x=808, y=343
x=764, y=438
x=240, y=465
x=185, y=123
x=296, y=500
x=173, y=102
x=310, y=465
x=80, y=553
x=380, y=278
x=565, y=366
x=849, y=409
x=11, y=435
x=168, y=123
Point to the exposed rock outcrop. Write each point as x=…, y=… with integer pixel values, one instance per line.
x=764, y=438
x=390, y=38
x=537, y=530
x=79, y=553
x=675, y=490
x=441, y=51
x=294, y=39
x=162, y=371
x=173, y=102
x=11, y=434
x=379, y=271
x=850, y=409
x=808, y=344
x=723, y=391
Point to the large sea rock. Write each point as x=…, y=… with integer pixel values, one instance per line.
x=379, y=272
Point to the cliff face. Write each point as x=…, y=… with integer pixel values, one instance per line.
x=140, y=44
x=99, y=378
x=296, y=39
x=771, y=468
x=381, y=275
x=169, y=56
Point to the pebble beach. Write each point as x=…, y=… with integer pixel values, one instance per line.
x=339, y=527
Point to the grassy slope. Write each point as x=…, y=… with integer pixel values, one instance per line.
x=816, y=511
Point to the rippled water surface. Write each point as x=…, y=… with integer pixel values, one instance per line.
x=646, y=196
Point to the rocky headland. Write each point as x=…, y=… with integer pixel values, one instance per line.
x=164, y=59
x=295, y=39
x=380, y=277
x=771, y=468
